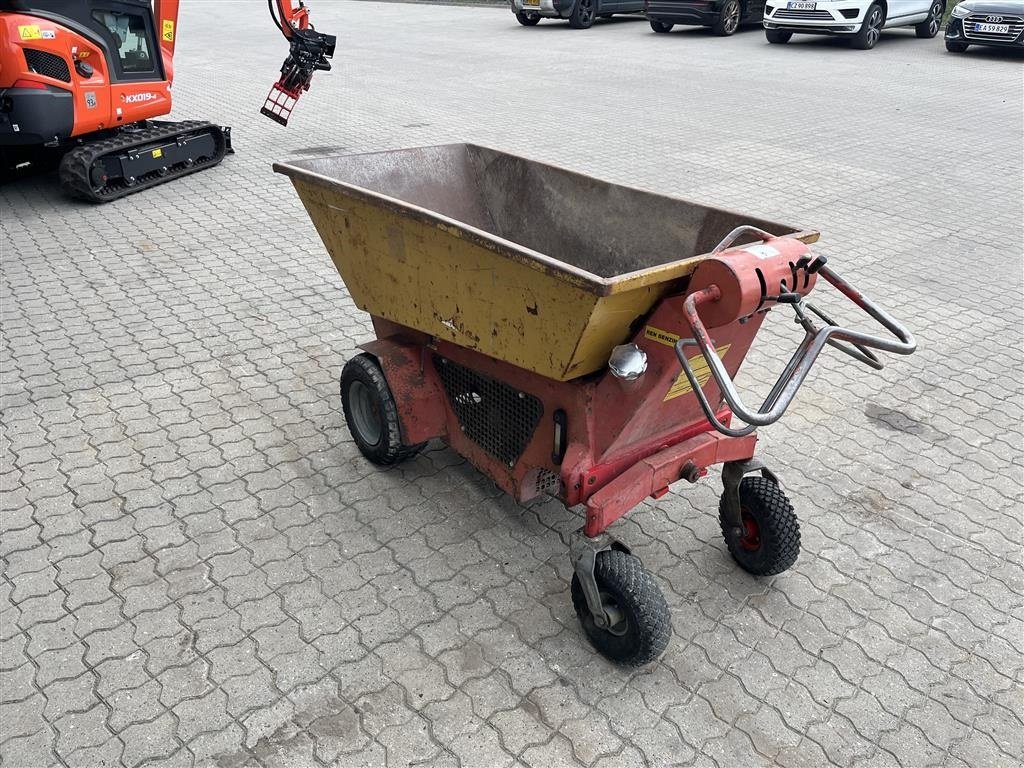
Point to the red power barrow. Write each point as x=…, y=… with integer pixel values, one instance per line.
x=574, y=338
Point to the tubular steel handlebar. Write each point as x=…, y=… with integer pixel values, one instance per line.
x=735, y=234
x=796, y=370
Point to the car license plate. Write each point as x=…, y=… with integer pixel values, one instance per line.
x=533, y=3
x=995, y=29
x=801, y=6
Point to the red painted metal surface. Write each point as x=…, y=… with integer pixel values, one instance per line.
x=650, y=476
x=626, y=440
x=416, y=392
x=748, y=278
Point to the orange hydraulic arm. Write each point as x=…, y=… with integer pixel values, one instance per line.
x=292, y=16
x=310, y=51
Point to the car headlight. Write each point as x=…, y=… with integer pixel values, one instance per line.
x=961, y=11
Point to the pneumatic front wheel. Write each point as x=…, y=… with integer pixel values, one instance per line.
x=661, y=26
x=954, y=47
x=639, y=625
x=768, y=541
x=371, y=413
x=527, y=19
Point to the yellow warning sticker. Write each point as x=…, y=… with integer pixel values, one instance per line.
x=168, y=31
x=30, y=32
x=660, y=336
x=158, y=153
x=701, y=371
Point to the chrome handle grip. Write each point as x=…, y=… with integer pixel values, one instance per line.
x=799, y=365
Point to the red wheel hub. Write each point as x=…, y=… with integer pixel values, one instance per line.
x=751, y=538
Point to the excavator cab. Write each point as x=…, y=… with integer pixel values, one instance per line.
x=82, y=81
x=73, y=67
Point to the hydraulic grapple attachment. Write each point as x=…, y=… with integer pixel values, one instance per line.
x=310, y=52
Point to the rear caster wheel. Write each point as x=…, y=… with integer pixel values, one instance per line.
x=769, y=540
x=371, y=413
x=639, y=623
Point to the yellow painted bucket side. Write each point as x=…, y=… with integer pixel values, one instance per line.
x=431, y=277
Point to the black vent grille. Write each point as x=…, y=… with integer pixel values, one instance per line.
x=548, y=482
x=47, y=64
x=497, y=417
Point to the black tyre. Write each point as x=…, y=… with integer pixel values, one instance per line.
x=955, y=47
x=728, y=18
x=527, y=19
x=371, y=413
x=769, y=542
x=583, y=13
x=870, y=29
x=642, y=631
x=777, y=36
x=661, y=26
x=930, y=26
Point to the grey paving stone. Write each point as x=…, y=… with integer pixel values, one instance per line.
x=200, y=569
x=147, y=741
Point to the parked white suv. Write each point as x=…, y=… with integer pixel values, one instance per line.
x=860, y=20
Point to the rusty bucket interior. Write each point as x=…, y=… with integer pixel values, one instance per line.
x=532, y=264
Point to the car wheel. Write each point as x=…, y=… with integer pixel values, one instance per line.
x=527, y=19
x=870, y=29
x=930, y=26
x=728, y=18
x=582, y=16
x=661, y=26
x=954, y=47
x=777, y=36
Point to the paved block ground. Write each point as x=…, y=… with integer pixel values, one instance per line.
x=199, y=568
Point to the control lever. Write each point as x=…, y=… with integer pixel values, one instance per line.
x=796, y=370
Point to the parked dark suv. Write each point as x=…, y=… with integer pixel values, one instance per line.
x=723, y=16
x=580, y=13
x=985, y=22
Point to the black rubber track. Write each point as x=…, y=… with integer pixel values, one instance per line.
x=76, y=164
x=389, y=449
x=637, y=595
x=778, y=524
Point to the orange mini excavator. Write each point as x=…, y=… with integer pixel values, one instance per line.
x=82, y=80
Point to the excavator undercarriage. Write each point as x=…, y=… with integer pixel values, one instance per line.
x=142, y=156
x=83, y=84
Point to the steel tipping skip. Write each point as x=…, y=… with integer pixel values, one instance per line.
x=609, y=441
x=601, y=378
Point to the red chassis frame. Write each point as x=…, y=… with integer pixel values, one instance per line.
x=621, y=441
